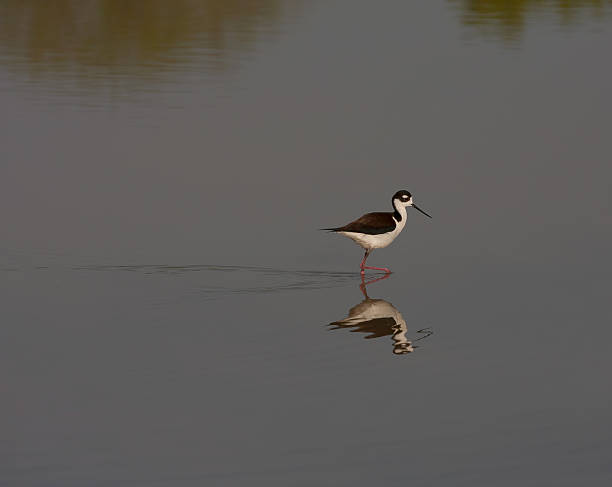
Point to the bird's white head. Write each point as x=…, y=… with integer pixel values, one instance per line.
x=403, y=199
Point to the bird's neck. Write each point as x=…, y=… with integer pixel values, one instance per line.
x=400, y=212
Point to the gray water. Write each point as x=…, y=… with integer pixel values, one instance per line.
x=170, y=315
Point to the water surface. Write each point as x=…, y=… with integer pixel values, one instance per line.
x=172, y=316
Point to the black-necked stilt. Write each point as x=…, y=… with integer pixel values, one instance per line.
x=377, y=230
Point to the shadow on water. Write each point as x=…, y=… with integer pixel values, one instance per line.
x=507, y=20
x=378, y=318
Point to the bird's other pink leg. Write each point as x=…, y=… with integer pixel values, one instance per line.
x=378, y=269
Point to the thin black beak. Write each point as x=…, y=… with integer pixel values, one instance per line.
x=417, y=208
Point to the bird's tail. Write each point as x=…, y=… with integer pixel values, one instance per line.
x=337, y=229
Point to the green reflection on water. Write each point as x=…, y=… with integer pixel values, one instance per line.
x=95, y=39
x=506, y=19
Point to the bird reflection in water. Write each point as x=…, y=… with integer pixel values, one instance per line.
x=378, y=318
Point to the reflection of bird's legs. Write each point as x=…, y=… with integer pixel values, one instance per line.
x=363, y=266
x=364, y=283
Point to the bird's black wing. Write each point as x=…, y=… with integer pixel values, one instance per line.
x=370, y=223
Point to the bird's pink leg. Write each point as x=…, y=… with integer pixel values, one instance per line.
x=363, y=266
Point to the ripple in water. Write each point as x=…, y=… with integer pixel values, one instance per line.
x=215, y=280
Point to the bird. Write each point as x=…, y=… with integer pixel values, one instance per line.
x=377, y=230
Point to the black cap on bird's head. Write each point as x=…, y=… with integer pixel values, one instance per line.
x=405, y=199
x=403, y=195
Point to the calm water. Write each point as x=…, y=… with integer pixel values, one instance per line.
x=172, y=317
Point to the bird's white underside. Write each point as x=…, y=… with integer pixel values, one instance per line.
x=381, y=240
x=371, y=241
